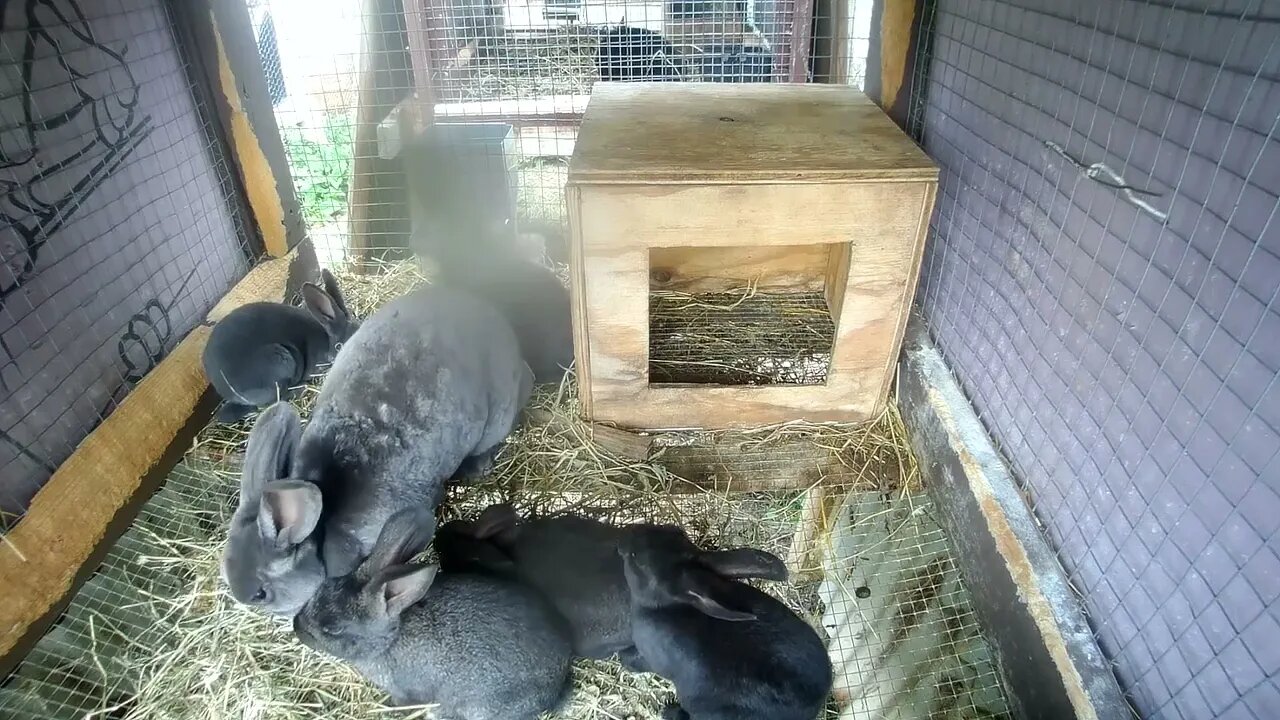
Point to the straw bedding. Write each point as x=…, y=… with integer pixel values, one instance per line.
x=155, y=635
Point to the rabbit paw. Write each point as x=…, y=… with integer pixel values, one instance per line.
x=475, y=467
x=231, y=412
x=673, y=711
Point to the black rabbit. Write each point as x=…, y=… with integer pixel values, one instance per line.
x=631, y=53
x=573, y=561
x=731, y=650
x=261, y=349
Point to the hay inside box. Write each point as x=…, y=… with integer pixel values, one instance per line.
x=742, y=254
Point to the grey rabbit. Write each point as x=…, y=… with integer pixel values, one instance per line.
x=527, y=293
x=424, y=393
x=273, y=555
x=482, y=647
x=731, y=651
x=261, y=349
x=537, y=305
x=573, y=561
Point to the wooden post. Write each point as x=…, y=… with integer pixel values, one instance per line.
x=416, y=21
x=897, y=39
x=221, y=49
x=801, y=35
x=377, y=212
x=831, y=42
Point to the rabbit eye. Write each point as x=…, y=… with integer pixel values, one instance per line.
x=260, y=595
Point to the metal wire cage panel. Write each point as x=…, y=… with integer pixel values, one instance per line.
x=1102, y=279
x=119, y=226
x=524, y=49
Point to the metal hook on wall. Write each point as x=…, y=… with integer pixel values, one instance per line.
x=1102, y=174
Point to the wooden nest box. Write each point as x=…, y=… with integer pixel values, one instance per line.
x=742, y=255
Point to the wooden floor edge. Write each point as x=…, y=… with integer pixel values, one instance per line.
x=81, y=508
x=1021, y=594
x=69, y=517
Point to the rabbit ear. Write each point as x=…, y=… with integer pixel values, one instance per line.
x=745, y=563
x=321, y=305
x=406, y=534
x=399, y=587
x=288, y=512
x=269, y=456
x=711, y=595
x=494, y=520
x=333, y=291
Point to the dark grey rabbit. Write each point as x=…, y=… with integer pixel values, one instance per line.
x=424, y=392
x=273, y=556
x=261, y=349
x=482, y=647
x=731, y=651
x=536, y=304
x=573, y=561
x=527, y=293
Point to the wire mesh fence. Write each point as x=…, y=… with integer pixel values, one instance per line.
x=119, y=221
x=154, y=634
x=744, y=338
x=1101, y=278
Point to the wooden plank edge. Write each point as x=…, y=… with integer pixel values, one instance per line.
x=222, y=45
x=1051, y=663
x=95, y=493
x=908, y=293
x=578, y=299
x=68, y=520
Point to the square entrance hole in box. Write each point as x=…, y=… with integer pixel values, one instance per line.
x=750, y=315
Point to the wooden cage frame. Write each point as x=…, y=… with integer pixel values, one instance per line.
x=97, y=492
x=57, y=545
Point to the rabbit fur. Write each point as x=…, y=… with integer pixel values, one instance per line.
x=260, y=350
x=573, y=561
x=482, y=647
x=731, y=650
x=272, y=558
x=424, y=392
x=527, y=293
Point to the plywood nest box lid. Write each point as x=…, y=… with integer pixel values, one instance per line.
x=740, y=133
x=741, y=255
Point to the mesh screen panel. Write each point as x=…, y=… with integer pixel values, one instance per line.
x=119, y=226
x=1102, y=278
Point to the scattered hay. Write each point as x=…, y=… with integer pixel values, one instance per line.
x=740, y=338
x=557, y=62
x=186, y=650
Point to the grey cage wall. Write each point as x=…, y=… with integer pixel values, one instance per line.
x=1102, y=278
x=120, y=223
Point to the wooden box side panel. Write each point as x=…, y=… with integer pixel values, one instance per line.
x=867, y=238
x=928, y=196
x=791, y=268
x=749, y=215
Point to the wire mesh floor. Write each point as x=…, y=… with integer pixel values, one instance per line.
x=740, y=339
x=154, y=634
